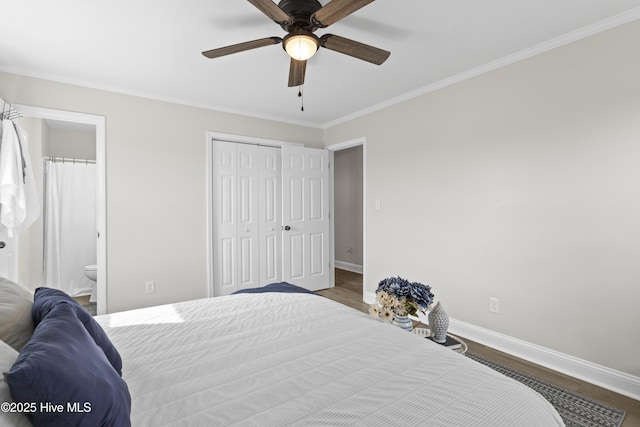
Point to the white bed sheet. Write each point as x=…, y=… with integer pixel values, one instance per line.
x=278, y=359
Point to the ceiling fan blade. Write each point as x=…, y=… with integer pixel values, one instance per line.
x=241, y=47
x=335, y=10
x=354, y=48
x=297, y=70
x=272, y=10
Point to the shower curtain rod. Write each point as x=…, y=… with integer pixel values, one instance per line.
x=68, y=160
x=8, y=111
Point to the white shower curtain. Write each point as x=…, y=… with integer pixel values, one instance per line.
x=70, y=225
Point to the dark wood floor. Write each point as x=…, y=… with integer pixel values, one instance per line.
x=83, y=300
x=348, y=291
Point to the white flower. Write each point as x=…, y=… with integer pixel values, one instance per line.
x=384, y=298
x=374, y=311
x=387, y=314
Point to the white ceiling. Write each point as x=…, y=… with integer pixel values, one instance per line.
x=152, y=48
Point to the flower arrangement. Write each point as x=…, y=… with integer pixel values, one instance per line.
x=396, y=296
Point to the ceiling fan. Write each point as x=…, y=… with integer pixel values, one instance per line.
x=300, y=19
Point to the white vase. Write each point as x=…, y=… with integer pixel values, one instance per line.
x=438, y=323
x=404, y=322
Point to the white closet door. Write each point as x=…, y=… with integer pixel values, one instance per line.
x=248, y=220
x=235, y=217
x=224, y=217
x=270, y=216
x=270, y=196
x=305, y=217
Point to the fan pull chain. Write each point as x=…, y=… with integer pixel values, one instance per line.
x=301, y=96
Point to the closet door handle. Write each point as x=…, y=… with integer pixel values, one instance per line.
x=287, y=228
x=2, y=245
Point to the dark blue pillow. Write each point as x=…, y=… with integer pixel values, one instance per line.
x=282, y=287
x=64, y=379
x=45, y=299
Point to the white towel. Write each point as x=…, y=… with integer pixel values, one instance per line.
x=18, y=200
x=31, y=193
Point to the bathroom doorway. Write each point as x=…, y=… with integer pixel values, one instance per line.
x=69, y=210
x=61, y=140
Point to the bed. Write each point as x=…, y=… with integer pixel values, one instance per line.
x=298, y=359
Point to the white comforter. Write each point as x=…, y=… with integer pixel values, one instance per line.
x=302, y=360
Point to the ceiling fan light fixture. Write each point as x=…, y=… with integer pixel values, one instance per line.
x=300, y=46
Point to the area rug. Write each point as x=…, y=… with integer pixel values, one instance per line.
x=576, y=410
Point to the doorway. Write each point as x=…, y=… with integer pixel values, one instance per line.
x=31, y=261
x=349, y=206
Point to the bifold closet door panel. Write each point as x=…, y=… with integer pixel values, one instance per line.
x=270, y=213
x=224, y=217
x=235, y=217
x=247, y=202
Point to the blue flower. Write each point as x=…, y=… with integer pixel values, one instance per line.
x=416, y=295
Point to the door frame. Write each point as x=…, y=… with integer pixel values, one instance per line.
x=362, y=141
x=228, y=137
x=101, y=196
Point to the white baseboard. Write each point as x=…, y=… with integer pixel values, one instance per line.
x=355, y=268
x=602, y=376
x=369, y=297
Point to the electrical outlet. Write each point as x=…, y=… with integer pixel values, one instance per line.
x=349, y=251
x=150, y=287
x=494, y=305
x=377, y=203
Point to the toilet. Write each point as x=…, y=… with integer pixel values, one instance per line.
x=91, y=271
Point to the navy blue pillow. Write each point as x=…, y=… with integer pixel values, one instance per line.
x=45, y=299
x=64, y=379
x=282, y=287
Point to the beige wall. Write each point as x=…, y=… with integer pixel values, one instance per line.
x=73, y=144
x=522, y=184
x=156, y=183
